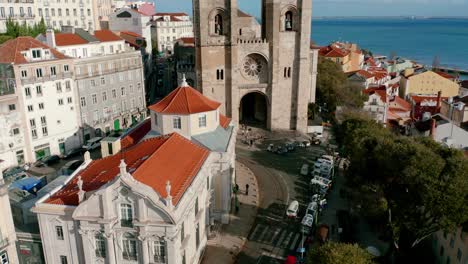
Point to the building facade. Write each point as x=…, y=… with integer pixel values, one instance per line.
x=451, y=247
x=58, y=13
x=22, y=11
x=263, y=81
x=128, y=19
x=156, y=199
x=109, y=80
x=168, y=27
x=422, y=81
x=43, y=103
x=7, y=228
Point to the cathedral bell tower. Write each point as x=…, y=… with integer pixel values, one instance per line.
x=261, y=73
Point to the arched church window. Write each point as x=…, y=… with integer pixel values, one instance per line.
x=288, y=21
x=218, y=25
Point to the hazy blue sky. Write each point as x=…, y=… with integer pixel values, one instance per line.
x=349, y=7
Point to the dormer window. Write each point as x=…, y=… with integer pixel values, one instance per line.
x=177, y=122
x=36, y=54
x=202, y=120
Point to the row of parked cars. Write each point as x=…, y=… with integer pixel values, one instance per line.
x=290, y=146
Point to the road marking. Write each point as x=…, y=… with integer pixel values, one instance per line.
x=294, y=241
x=286, y=241
x=271, y=240
x=260, y=238
x=257, y=227
x=278, y=242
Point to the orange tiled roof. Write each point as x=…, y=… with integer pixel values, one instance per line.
x=136, y=134
x=106, y=35
x=188, y=40
x=333, y=51
x=402, y=105
x=66, y=39
x=365, y=74
x=224, y=121
x=242, y=14
x=445, y=75
x=130, y=33
x=151, y=162
x=10, y=51
x=184, y=101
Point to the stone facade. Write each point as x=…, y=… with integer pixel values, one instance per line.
x=7, y=229
x=273, y=69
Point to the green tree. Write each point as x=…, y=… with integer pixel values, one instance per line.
x=330, y=78
x=422, y=183
x=339, y=253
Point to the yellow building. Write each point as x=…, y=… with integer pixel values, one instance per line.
x=347, y=55
x=422, y=81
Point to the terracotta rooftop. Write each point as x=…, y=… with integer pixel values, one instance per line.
x=66, y=39
x=333, y=51
x=446, y=75
x=183, y=101
x=130, y=33
x=106, y=35
x=10, y=51
x=224, y=121
x=151, y=162
x=136, y=134
x=242, y=14
x=188, y=40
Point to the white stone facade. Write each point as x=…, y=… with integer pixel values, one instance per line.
x=128, y=19
x=44, y=119
x=21, y=11
x=58, y=13
x=126, y=221
x=7, y=228
x=170, y=27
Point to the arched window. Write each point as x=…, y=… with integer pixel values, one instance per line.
x=218, y=25
x=288, y=21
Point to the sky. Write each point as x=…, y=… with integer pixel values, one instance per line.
x=348, y=7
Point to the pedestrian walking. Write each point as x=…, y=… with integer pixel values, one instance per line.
x=247, y=189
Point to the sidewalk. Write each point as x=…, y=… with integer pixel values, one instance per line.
x=231, y=238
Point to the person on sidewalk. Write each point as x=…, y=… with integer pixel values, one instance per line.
x=247, y=189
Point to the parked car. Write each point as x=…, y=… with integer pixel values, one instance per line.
x=306, y=143
x=72, y=152
x=293, y=209
x=305, y=169
x=47, y=161
x=270, y=147
x=71, y=166
x=93, y=143
x=312, y=208
x=290, y=146
x=12, y=171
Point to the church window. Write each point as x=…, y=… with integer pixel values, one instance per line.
x=126, y=215
x=218, y=25
x=220, y=74
x=159, y=248
x=129, y=250
x=288, y=21
x=289, y=72
x=100, y=245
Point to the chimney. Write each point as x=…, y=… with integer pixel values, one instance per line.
x=50, y=38
x=91, y=30
x=439, y=101
x=433, y=128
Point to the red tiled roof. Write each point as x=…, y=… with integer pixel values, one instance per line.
x=421, y=98
x=151, y=162
x=135, y=134
x=67, y=39
x=401, y=104
x=106, y=35
x=333, y=51
x=365, y=74
x=242, y=14
x=224, y=121
x=130, y=33
x=446, y=75
x=183, y=101
x=10, y=51
x=382, y=94
x=188, y=40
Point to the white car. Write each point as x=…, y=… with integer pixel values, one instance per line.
x=293, y=209
x=307, y=223
x=312, y=208
x=305, y=169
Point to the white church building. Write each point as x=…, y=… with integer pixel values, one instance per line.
x=155, y=199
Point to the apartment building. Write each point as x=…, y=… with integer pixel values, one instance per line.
x=58, y=13
x=7, y=228
x=155, y=200
x=22, y=11
x=130, y=19
x=38, y=102
x=168, y=27
x=108, y=77
x=425, y=82
x=451, y=248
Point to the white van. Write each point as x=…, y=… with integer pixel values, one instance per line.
x=305, y=169
x=293, y=209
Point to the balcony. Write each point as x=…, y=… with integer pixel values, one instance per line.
x=59, y=76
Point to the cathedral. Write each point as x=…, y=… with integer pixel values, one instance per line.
x=262, y=73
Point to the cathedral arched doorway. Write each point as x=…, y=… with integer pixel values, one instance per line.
x=253, y=110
